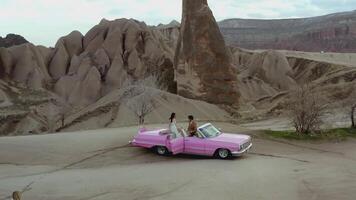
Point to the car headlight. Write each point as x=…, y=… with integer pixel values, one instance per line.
x=245, y=145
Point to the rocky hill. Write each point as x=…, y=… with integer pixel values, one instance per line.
x=77, y=79
x=80, y=82
x=81, y=69
x=333, y=33
x=11, y=40
x=266, y=79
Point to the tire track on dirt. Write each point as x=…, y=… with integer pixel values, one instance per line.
x=279, y=156
x=174, y=189
x=299, y=146
x=45, y=173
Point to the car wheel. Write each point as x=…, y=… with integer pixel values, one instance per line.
x=223, y=153
x=161, y=150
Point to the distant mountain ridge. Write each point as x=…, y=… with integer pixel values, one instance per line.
x=333, y=32
x=11, y=40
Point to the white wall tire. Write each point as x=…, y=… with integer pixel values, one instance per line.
x=161, y=150
x=223, y=153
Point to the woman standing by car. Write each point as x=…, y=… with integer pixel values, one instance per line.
x=173, y=126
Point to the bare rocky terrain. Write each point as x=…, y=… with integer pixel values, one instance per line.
x=329, y=33
x=80, y=82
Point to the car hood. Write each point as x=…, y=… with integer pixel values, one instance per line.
x=231, y=138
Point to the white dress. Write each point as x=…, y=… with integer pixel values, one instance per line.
x=173, y=129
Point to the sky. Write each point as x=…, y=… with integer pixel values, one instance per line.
x=42, y=22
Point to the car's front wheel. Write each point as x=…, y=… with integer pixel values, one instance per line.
x=223, y=153
x=161, y=150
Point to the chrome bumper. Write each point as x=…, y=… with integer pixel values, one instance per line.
x=132, y=142
x=240, y=153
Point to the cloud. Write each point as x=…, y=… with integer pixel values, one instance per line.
x=44, y=21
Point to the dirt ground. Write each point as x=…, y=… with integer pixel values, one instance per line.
x=100, y=165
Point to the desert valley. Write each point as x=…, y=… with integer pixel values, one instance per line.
x=68, y=112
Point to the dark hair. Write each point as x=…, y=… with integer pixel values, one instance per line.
x=173, y=115
x=190, y=117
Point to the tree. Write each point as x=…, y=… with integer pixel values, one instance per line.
x=63, y=111
x=306, y=110
x=139, y=96
x=46, y=117
x=143, y=104
x=56, y=110
x=351, y=105
x=352, y=114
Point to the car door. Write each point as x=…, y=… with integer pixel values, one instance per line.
x=175, y=145
x=194, y=145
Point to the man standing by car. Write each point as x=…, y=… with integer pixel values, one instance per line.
x=192, y=127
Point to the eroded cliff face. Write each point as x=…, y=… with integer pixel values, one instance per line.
x=267, y=79
x=203, y=63
x=82, y=69
x=170, y=32
x=334, y=33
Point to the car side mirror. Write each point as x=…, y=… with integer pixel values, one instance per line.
x=220, y=129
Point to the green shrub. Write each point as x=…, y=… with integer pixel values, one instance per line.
x=337, y=134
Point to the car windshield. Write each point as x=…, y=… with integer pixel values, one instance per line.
x=209, y=131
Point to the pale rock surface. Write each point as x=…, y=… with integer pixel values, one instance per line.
x=27, y=63
x=272, y=67
x=59, y=62
x=118, y=50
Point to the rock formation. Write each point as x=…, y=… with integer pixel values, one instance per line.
x=77, y=72
x=334, y=33
x=81, y=69
x=12, y=40
x=263, y=74
x=202, y=61
x=78, y=82
x=170, y=32
x=265, y=78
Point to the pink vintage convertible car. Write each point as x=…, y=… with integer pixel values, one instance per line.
x=209, y=141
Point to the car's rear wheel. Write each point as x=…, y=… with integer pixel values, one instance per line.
x=161, y=150
x=223, y=153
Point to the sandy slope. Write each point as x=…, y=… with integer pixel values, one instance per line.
x=99, y=165
x=165, y=104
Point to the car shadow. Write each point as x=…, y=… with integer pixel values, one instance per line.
x=200, y=157
x=154, y=157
